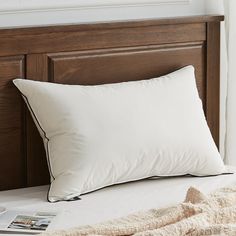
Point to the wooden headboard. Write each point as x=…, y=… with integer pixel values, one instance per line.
x=95, y=54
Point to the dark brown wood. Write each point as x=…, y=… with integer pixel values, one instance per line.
x=110, y=65
x=213, y=79
x=100, y=38
x=12, y=135
x=37, y=173
x=96, y=54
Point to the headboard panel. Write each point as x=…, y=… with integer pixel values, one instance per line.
x=96, y=54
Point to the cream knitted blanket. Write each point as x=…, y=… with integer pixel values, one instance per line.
x=214, y=214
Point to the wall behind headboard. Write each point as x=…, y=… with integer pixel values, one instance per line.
x=34, y=12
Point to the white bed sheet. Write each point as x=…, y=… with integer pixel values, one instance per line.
x=112, y=202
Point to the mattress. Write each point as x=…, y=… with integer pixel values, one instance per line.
x=111, y=202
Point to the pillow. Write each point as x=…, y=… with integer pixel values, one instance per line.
x=96, y=136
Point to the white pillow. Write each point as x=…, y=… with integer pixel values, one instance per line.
x=96, y=136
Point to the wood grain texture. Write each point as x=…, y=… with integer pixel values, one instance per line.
x=213, y=79
x=100, y=38
x=96, y=54
x=37, y=171
x=110, y=65
x=12, y=135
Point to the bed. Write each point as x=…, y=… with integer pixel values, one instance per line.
x=112, y=202
x=65, y=54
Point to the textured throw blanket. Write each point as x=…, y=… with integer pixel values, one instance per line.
x=214, y=214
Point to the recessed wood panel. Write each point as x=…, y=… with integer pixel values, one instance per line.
x=119, y=65
x=12, y=167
